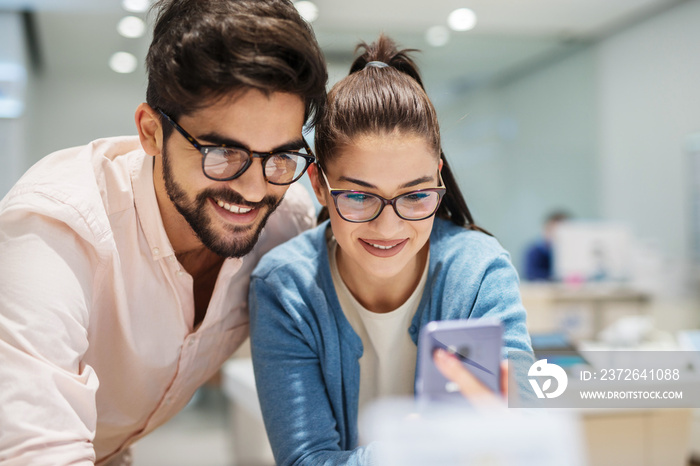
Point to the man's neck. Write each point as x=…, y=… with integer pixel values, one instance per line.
x=201, y=263
x=204, y=266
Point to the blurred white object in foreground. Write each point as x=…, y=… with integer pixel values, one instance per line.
x=250, y=446
x=408, y=434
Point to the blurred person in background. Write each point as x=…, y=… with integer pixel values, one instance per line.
x=125, y=264
x=539, y=263
x=336, y=312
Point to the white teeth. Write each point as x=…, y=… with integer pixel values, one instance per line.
x=233, y=208
x=382, y=247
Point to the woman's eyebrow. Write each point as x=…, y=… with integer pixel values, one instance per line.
x=410, y=184
x=220, y=140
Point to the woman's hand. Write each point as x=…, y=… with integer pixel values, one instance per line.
x=470, y=386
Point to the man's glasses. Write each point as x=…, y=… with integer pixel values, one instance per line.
x=359, y=206
x=224, y=163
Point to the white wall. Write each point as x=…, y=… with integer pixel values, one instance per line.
x=75, y=97
x=602, y=133
x=67, y=102
x=525, y=148
x=649, y=102
x=67, y=111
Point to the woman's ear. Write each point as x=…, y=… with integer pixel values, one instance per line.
x=149, y=128
x=440, y=164
x=319, y=190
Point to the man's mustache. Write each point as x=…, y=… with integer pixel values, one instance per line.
x=232, y=197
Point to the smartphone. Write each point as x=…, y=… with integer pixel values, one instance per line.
x=477, y=343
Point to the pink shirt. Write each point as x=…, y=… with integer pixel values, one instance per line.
x=96, y=341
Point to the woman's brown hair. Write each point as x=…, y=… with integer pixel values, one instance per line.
x=379, y=99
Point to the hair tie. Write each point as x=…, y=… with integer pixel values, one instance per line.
x=376, y=64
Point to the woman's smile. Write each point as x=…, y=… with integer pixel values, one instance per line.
x=383, y=248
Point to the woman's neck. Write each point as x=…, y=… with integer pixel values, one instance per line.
x=382, y=294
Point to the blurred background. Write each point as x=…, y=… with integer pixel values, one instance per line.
x=588, y=107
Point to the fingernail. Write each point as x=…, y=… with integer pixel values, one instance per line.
x=445, y=357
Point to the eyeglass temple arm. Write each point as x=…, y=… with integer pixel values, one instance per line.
x=180, y=130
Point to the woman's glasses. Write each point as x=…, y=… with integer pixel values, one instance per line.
x=224, y=163
x=359, y=206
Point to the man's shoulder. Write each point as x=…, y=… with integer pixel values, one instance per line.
x=302, y=254
x=76, y=170
x=540, y=245
x=70, y=185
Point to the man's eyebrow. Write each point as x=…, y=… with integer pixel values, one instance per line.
x=410, y=184
x=218, y=140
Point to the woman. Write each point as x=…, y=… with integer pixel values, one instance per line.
x=336, y=312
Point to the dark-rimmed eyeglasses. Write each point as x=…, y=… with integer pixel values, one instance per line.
x=225, y=163
x=360, y=206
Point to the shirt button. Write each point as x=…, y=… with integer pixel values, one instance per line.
x=156, y=251
x=171, y=258
x=412, y=329
x=180, y=273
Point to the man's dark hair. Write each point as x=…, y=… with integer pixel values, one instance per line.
x=205, y=49
x=557, y=216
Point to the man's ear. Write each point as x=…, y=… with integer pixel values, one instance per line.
x=319, y=189
x=149, y=127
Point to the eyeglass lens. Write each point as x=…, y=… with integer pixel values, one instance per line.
x=281, y=168
x=357, y=207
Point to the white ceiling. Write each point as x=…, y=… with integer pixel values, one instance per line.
x=511, y=35
x=510, y=17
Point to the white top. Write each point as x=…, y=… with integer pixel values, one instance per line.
x=91, y=294
x=388, y=362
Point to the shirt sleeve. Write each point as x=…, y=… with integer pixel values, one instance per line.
x=47, y=395
x=296, y=408
x=499, y=297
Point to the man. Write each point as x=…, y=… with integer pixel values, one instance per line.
x=538, y=256
x=124, y=264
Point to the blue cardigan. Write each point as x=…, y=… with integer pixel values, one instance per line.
x=305, y=352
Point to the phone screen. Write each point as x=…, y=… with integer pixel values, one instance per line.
x=477, y=343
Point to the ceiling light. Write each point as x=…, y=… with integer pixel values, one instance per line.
x=437, y=36
x=307, y=10
x=123, y=62
x=462, y=19
x=131, y=27
x=136, y=6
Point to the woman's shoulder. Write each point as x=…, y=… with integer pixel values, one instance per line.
x=304, y=252
x=452, y=241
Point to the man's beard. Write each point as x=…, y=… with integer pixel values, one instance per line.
x=194, y=213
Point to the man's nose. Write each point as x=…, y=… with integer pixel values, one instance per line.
x=251, y=184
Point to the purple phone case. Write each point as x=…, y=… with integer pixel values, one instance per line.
x=476, y=342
